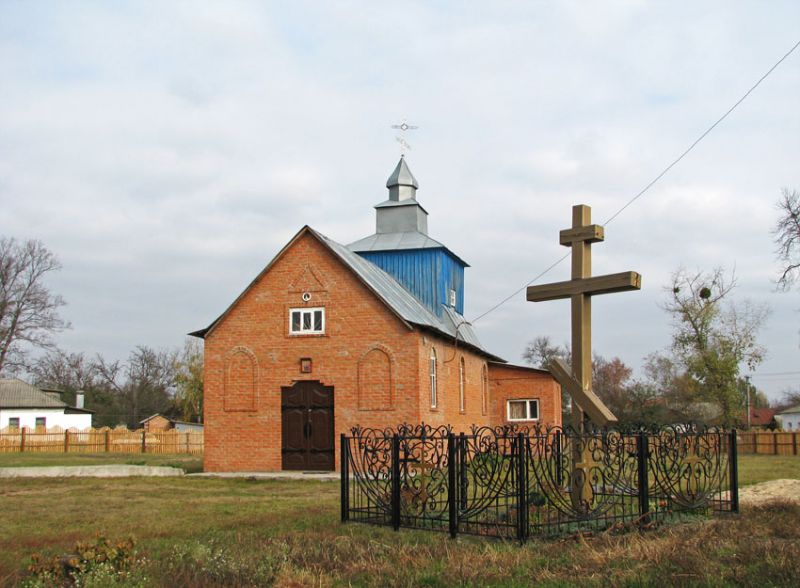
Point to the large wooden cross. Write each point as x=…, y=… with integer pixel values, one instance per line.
x=580, y=289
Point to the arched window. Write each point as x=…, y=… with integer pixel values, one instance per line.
x=462, y=401
x=434, y=399
x=484, y=390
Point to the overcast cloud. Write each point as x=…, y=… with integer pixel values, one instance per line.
x=167, y=150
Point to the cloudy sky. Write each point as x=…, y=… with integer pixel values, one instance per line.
x=167, y=150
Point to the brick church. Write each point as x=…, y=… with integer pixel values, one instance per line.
x=330, y=336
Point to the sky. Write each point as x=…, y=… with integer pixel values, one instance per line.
x=166, y=151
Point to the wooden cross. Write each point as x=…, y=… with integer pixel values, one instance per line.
x=580, y=289
x=578, y=380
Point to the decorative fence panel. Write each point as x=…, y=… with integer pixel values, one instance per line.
x=101, y=441
x=513, y=483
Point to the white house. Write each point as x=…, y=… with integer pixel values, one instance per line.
x=789, y=419
x=23, y=405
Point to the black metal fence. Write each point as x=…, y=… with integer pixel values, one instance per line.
x=514, y=482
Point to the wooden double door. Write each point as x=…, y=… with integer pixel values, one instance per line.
x=307, y=427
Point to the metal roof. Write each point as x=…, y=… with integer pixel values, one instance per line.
x=402, y=176
x=403, y=302
x=792, y=410
x=15, y=393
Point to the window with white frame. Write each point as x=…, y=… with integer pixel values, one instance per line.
x=462, y=401
x=434, y=399
x=307, y=321
x=522, y=410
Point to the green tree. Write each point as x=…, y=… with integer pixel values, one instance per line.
x=189, y=381
x=713, y=337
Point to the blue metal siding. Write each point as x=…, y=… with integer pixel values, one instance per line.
x=429, y=274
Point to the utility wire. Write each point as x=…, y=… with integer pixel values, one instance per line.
x=664, y=172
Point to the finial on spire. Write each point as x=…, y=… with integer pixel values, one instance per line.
x=403, y=127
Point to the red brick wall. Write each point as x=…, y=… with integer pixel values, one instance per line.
x=247, y=437
x=250, y=355
x=516, y=382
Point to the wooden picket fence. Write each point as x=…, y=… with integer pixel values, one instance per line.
x=103, y=440
x=768, y=442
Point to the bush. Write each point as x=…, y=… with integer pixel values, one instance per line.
x=98, y=563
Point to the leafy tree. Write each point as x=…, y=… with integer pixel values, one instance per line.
x=28, y=310
x=189, y=381
x=713, y=337
x=787, y=237
x=143, y=383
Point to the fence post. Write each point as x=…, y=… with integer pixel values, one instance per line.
x=522, y=488
x=66, y=441
x=733, y=465
x=557, y=451
x=774, y=443
x=462, y=473
x=396, y=481
x=144, y=441
x=22, y=439
x=108, y=441
x=343, y=465
x=452, y=483
x=644, y=488
x=794, y=443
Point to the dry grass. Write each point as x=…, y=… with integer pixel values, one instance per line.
x=235, y=532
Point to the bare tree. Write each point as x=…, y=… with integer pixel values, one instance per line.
x=28, y=310
x=144, y=383
x=787, y=237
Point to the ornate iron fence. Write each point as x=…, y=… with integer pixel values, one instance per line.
x=514, y=482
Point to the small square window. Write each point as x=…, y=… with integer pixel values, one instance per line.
x=307, y=321
x=523, y=410
x=13, y=423
x=41, y=423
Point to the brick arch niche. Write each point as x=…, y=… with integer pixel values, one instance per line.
x=375, y=385
x=241, y=380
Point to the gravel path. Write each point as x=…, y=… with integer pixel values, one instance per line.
x=758, y=494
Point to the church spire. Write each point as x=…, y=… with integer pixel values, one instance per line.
x=402, y=184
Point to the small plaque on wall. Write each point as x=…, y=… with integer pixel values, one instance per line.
x=305, y=365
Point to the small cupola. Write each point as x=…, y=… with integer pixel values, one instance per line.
x=402, y=184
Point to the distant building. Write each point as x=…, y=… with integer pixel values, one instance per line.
x=330, y=336
x=24, y=405
x=789, y=419
x=158, y=422
x=761, y=418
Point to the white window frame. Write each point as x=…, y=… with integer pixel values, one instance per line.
x=432, y=370
x=527, y=402
x=310, y=312
x=462, y=401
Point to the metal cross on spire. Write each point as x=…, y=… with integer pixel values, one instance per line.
x=403, y=127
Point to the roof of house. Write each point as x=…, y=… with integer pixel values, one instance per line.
x=791, y=410
x=15, y=393
x=391, y=292
x=761, y=416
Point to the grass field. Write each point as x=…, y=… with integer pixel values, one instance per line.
x=189, y=463
x=237, y=532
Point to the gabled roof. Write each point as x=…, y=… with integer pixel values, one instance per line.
x=388, y=290
x=15, y=393
x=761, y=416
x=791, y=410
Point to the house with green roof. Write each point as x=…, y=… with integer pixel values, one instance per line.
x=24, y=405
x=789, y=419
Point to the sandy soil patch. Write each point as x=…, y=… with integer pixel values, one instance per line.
x=767, y=491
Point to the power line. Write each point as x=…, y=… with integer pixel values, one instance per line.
x=655, y=180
